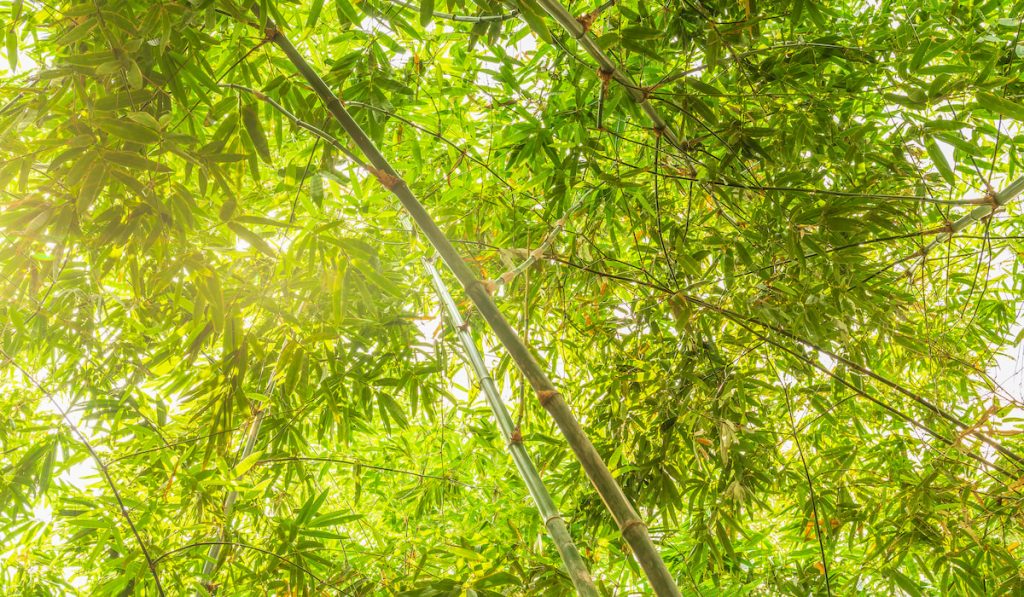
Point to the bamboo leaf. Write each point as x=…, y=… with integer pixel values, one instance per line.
x=12, y=49
x=254, y=128
x=128, y=130
x=314, y=13
x=252, y=238
x=534, y=16
x=134, y=160
x=346, y=13
x=426, y=12
x=939, y=159
x=246, y=464
x=1001, y=106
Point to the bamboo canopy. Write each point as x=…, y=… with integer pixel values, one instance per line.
x=553, y=520
x=747, y=276
x=633, y=530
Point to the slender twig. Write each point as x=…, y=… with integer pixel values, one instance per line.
x=210, y=567
x=986, y=207
x=935, y=409
x=536, y=254
x=331, y=139
x=362, y=464
x=220, y=544
x=657, y=212
x=810, y=484
x=99, y=464
x=888, y=408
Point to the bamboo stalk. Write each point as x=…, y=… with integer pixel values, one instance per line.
x=608, y=69
x=629, y=523
x=210, y=567
x=574, y=564
x=992, y=203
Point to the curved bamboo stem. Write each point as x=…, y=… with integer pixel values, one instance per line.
x=629, y=523
x=574, y=564
x=210, y=567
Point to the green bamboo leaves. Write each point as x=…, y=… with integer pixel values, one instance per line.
x=426, y=12
x=533, y=14
x=254, y=129
x=135, y=161
x=252, y=238
x=939, y=159
x=1001, y=105
x=128, y=130
x=781, y=210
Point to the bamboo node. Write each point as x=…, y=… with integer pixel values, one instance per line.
x=552, y=517
x=489, y=286
x=605, y=76
x=390, y=181
x=516, y=437
x=546, y=396
x=270, y=33
x=586, y=21
x=993, y=199
x=507, y=277
x=633, y=523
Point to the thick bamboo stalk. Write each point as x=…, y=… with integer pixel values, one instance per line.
x=992, y=203
x=630, y=525
x=574, y=564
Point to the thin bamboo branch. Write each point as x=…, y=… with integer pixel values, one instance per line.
x=877, y=402
x=261, y=550
x=810, y=484
x=332, y=140
x=210, y=567
x=99, y=464
x=574, y=564
x=536, y=254
x=372, y=467
x=629, y=523
x=920, y=400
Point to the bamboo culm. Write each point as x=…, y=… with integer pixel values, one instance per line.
x=607, y=68
x=995, y=202
x=229, y=501
x=553, y=521
x=633, y=529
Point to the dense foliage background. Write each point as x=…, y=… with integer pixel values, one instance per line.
x=789, y=389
